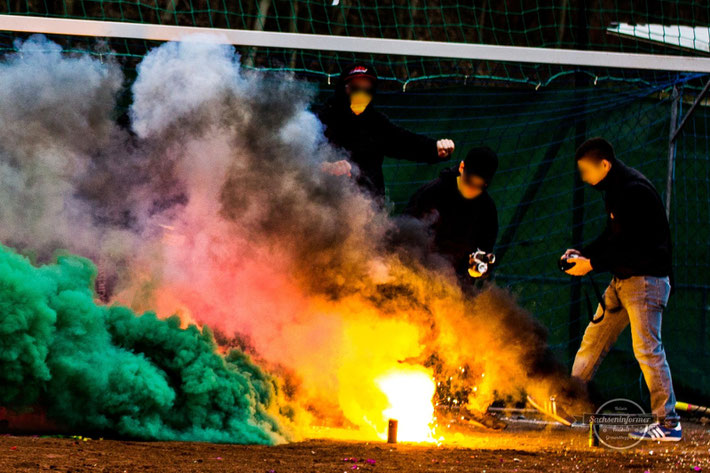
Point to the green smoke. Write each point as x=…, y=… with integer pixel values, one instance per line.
x=105, y=369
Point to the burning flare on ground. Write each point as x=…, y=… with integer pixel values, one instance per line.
x=207, y=200
x=409, y=394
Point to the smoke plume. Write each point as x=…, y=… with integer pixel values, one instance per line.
x=106, y=369
x=212, y=206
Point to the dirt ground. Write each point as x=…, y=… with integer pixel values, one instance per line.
x=526, y=449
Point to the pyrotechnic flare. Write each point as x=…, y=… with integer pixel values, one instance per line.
x=213, y=206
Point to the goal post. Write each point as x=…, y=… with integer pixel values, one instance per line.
x=398, y=47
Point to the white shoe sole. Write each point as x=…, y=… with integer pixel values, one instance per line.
x=657, y=439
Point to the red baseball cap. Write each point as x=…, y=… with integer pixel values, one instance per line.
x=358, y=70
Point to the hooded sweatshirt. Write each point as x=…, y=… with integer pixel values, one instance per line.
x=460, y=225
x=637, y=237
x=369, y=137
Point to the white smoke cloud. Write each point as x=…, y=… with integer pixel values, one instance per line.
x=215, y=207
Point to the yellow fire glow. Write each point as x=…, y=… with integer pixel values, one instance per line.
x=409, y=394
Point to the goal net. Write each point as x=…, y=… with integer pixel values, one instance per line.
x=532, y=83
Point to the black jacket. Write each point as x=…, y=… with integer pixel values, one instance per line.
x=460, y=225
x=369, y=137
x=637, y=238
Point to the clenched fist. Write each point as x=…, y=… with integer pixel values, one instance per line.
x=445, y=148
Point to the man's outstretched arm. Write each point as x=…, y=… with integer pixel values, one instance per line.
x=400, y=143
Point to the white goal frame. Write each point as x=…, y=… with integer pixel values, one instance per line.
x=400, y=47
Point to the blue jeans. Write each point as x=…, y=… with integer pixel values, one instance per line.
x=639, y=301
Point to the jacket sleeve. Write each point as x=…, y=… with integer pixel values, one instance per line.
x=489, y=232
x=636, y=228
x=598, y=250
x=403, y=144
x=422, y=202
x=325, y=115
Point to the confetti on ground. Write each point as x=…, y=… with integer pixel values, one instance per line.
x=550, y=450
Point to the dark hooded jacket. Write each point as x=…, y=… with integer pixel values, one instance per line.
x=637, y=238
x=460, y=225
x=369, y=137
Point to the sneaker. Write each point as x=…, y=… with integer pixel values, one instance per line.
x=551, y=408
x=659, y=433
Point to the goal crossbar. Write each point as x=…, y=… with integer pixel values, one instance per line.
x=351, y=44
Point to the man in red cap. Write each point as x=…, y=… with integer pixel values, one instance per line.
x=352, y=123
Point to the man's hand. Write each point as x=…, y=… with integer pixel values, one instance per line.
x=445, y=148
x=582, y=266
x=338, y=168
x=571, y=252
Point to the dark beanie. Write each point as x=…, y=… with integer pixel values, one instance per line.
x=482, y=162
